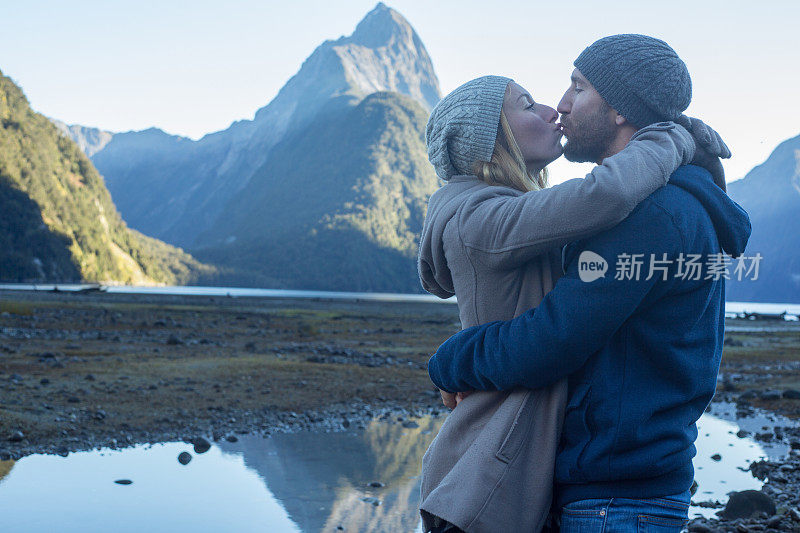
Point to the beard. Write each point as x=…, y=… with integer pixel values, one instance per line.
x=590, y=137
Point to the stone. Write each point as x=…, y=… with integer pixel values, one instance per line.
x=716, y=457
x=16, y=436
x=791, y=394
x=764, y=437
x=747, y=503
x=776, y=477
x=123, y=481
x=748, y=395
x=201, y=445
x=184, y=458
x=709, y=504
x=770, y=395
x=174, y=340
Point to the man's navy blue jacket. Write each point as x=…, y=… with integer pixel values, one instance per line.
x=642, y=355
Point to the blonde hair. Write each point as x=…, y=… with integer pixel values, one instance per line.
x=507, y=166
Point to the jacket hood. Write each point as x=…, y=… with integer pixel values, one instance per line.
x=730, y=220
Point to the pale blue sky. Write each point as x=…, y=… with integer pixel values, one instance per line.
x=192, y=68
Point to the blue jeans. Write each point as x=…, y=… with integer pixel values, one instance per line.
x=668, y=514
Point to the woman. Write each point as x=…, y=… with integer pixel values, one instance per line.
x=493, y=236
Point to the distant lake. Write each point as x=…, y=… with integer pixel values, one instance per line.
x=235, y=292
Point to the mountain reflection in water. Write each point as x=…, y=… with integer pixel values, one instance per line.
x=322, y=479
x=5, y=468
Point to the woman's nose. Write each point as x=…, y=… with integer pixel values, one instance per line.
x=550, y=114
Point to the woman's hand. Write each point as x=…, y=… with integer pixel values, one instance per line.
x=450, y=400
x=710, y=148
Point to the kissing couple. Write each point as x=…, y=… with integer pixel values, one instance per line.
x=589, y=348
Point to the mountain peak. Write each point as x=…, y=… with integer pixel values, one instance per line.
x=384, y=53
x=90, y=140
x=381, y=26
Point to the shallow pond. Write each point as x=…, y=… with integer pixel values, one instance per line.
x=303, y=481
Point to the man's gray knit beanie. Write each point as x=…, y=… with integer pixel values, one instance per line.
x=641, y=77
x=463, y=126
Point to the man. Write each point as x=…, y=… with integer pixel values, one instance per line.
x=641, y=345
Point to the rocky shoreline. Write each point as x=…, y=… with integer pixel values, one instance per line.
x=773, y=508
x=357, y=414
x=87, y=371
x=776, y=507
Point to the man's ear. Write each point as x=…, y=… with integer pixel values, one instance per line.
x=619, y=120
